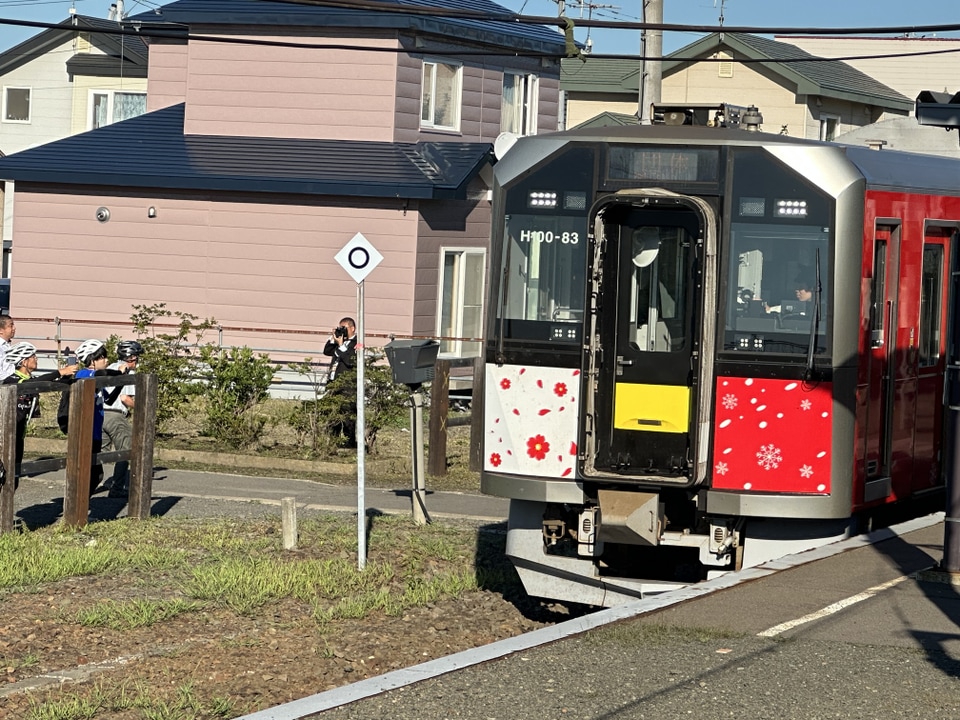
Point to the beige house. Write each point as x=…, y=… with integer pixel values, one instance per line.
x=907, y=64
x=797, y=94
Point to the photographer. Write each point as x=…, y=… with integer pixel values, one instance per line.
x=342, y=347
x=342, y=381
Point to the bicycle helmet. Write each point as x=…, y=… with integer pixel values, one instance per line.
x=20, y=352
x=90, y=350
x=127, y=349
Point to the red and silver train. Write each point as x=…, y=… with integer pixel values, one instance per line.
x=709, y=347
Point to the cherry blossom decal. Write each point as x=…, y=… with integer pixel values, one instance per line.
x=538, y=447
x=772, y=436
x=530, y=421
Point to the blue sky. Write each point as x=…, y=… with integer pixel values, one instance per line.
x=753, y=13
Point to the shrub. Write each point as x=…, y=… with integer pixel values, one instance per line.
x=236, y=381
x=171, y=356
x=319, y=421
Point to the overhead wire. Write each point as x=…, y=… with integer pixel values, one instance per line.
x=156, y=30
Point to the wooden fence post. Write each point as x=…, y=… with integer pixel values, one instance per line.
x=141, y=447
x=76, y=496
x=8, y=453
x=439, y=410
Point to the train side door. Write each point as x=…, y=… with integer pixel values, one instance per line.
x=931, y=359
x=882, y=361
x=646, y=354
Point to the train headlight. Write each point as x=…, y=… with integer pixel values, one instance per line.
x=750, y=342
x=542, y=199
x=791, y=208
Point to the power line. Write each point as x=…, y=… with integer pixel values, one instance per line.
x=393, y=8
x=137, y=29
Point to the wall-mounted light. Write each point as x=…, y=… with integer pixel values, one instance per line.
x=151, y=212
x=103, y=214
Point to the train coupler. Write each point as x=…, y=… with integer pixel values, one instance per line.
x=554, y=530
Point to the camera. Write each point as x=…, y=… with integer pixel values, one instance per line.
x=340, y=332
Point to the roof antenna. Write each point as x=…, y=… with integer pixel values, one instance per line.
x=722, y=3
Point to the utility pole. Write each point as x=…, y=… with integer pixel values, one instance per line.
x=651, y=71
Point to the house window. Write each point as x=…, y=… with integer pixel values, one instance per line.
x=518, y=112
x=460, y=315
x=440, y=99
x=829, y=124
x=16, y=104
x=110, y=106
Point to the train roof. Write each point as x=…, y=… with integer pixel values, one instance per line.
x=881, y=169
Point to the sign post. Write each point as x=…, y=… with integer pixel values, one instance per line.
x=358, y=257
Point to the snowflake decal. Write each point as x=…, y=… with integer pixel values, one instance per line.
x=769, y=457
x=805, y=405
x=729, y=402
x=806, y=471
x=722, y=468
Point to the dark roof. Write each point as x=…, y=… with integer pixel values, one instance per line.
x=599, y=75
x=151, y=151
x=609, y=119
x=291, y=14
x=131, y=49
x=830, y=78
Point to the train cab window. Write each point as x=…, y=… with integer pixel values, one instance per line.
x=931, y=289
x=778, y=288
x=658, y=288
x=544, y=276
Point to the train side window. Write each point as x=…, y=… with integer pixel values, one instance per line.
x=931, y=297
x=878, y=294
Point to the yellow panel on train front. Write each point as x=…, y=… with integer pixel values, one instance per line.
x=654, y=408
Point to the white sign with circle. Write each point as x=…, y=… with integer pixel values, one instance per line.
x=358, y=257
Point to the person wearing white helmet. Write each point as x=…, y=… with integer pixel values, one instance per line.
x=116, y=426
x=23, y=355
x=92, y=355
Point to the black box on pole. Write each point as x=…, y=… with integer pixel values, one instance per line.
x=412, y=361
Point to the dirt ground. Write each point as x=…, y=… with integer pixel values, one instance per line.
x=218, y=664
x=223, y=660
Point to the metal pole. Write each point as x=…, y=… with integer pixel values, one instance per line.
x=652, y=76
x=951, y=525
x=420, y=514
x=361, y=441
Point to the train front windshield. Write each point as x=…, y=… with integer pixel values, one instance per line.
x=775, y=249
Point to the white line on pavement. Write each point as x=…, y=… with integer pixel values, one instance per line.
x=831, y=609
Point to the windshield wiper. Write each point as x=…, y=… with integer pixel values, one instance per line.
x=500, y=358
x=814, y=323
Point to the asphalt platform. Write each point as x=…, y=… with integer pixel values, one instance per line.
x=867, y=628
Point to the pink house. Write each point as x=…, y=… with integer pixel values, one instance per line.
x=275, y=132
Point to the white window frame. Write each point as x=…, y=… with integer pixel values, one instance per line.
x=6, y=92
x=428, y=95
x=825, y=120
x=109, y=94
x=528, y=105
x=454, y=314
